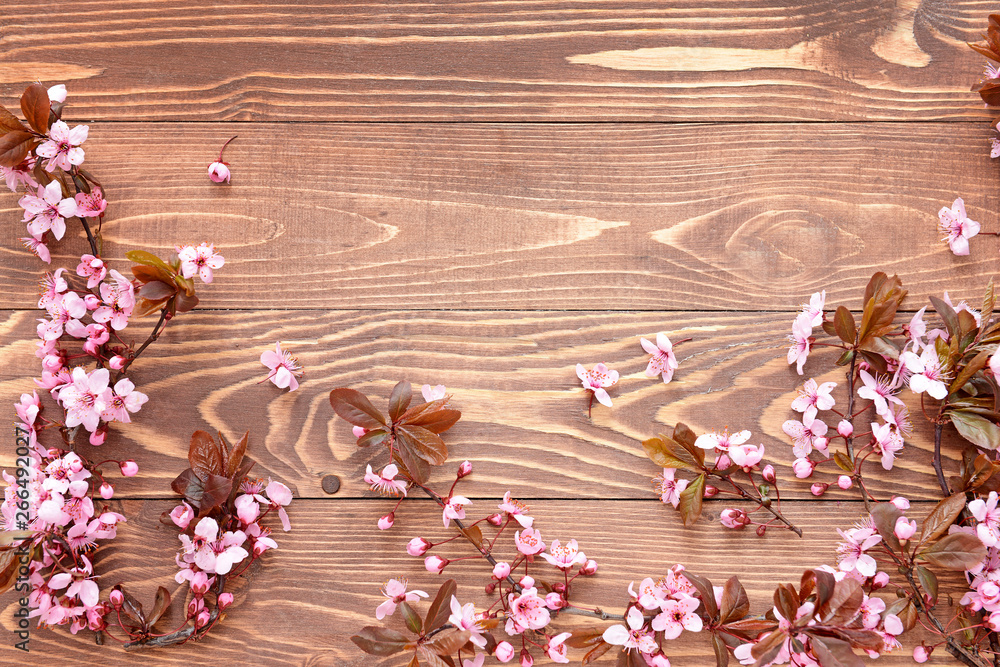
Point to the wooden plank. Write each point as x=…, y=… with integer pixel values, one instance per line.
x=524, y=426
x=322, y=584
x=619, y=60
x=591, y=217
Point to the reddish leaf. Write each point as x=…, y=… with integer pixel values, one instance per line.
x=691, y=500
x=884, y=516
x=475, y=535
x=665, y=453
x=376, y=640
x=205, y=455
x=835, y=653
x=14, y=147
x=436, y=421
x=430, y=659
x=844, y=325
x=686, y=438
x=146, y=274
x=440, y=609
x=721, y=652
x=155, y=290
x=355, y=408
x=928, y=582
x=941, y=517
x=824, y=584
x=9, y=122
x=235, y=457
x=595, y=653
x=410, y=617
x=399, y=399
x=160, y=605
x=582, y=638
x=750, y=628
x=9, y=564
x=765, y=650
x=846, y=601
x=705, y=591
x=35, y=107
x=979, y=431
x=376, y=437
x=786, y=601
x=189, y=485
x=735, y=603
x=425, y=444
x=412, y=466
x=448, y=641
x=958, y=551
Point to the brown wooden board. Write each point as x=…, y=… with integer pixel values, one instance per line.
x=520, y=60
x=524, y=427
x=322, y=584
x=748, y=217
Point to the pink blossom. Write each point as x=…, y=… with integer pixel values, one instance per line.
x=722, y=441
x=123, y=400
x=454, y=508
x=107, y=491
x=806, y=435
x=418, y=546
x=219, y=172
x=118, y=296
x=284, y=368
x=279, y=496
x=986, y=513
x=901, y=503
x=632, y=637
x=768, y=474
x=464, y=469
x=504, y=652
x=395, y=592
x=129, y=468
x=528, y=611
x=80, y=585
x=851, y=552
x=888, y=442
x=211, y=552
x=556, y=648
x=435, y=563
x=565, y=556
x=677, y=615
x=904, y=530
x=881, y=391
x=814, y=309
x=734, y=518
x=529, y=542
x=922, y=653
x=663, y=361
x=57, y=93
x=385, y=522
x=596, y=380
x=433, y=393
x=814, y=397
x=516, y=510
x=670, y=489
x=818, y=489
x=38, y=248
x=845, y=428
x=801, y=341
x=201, y=260
x=385, y=482
x=47, y=210
x=19, y=174
x=86, y=398
x=463, y=617
x=182, y=515
x=746, y=456
x=845, y=482
x=928, y=374
x=62, y=148
x=90, y=205
x=501, y=570
x=957, y=227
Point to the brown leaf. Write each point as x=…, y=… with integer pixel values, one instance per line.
x=399, y=400
x=216, y=492
x=928, y=582
x=749, y=628
x=475, y=535
x=843, y=322
x=958, y=551
x=691, y=500
x=9, y=122
x=705, y=591
x=686, y=438
x=440, y=609
x=9, y=563
x=410, y=617
x=941, y=517
x=735, y=603
x=376, y=640
x=584, y=637
x=355, y=408
x=155, y=290
x=721, y=652
x=981, y=432
x=765, y=650
x=160, y=605
x=205, y=455
x=977, y=364
x=412, y=466
x=438, y=420
x=665, y=453
x=595, y=653
x=832, y=652
x=884, y=516
x=786, y=601
x=448, y=641
x=376, y=437
x=235, y=457
x=425, y=444
x=35, y=107
x=845, y=602
x=14, y=147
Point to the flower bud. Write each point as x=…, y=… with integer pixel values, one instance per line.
x=92, y=303
x=199, y=584
x=501, y=570
x=195, y=606
x=98, y=436
x=435, y=563
x=129, y=468
x=922, y=653
x=821, y=443
x=107, y=491
x=901, y=503
x=527, y=582
x=490, y=587
x=219, y=172
x=589, y=569
x=659, y=660
x=359, y=431
x=881, y=580
x=117, y=598
x=52, y=363
x=761, y=529
x=904, y=530
x=504, y=652
x=734, y=518
x=202, y=620
x=554, y=601
x=845, y=482
x=723, y=462
x=225, y=600
x=57, y=93
x=182, y=515
x=803, y=468
x=495, y=519
x=710, y=491
x=385, y=523
x=559, y=588
x=526, y=659
x=845, y=428
x=768, y=474
x=465, y=469
x=116, y=362
x=418, y=546
x=818, y=489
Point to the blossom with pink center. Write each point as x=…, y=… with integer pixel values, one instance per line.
x=96, y=334
x=90, y=205
x=123, y=400
x=118, y=296
x=668, y=487
x=285, y=368
x=881, y=391
x=210, y=552
x=556, y=648
x=47, y=210
x=93, y=269
x=887, y=442
x=463, y=617
x=80, y=585
x=722, y=441
x=65, y=311
x=27, y=408
x=395, y=592
x=385, y=482
x=454, y=508
x=182, y=515
x=201, y=260
x=663, y=362
x=565, y=556
x=651, y=594
x=52, y=285
x=851, y=552
x=596, y=380
x=529, y=542
x=433, y=393
x=677, y=615
x=62, y=149
x=86, y=398
x=986, y=513
x=746, y=456
x=814, y=309
x=928, y=373
x=247, y=508
x=801, y=341
x=904, y=529
x=957, y=227
x=805, y=435
x=736, y=519
x=814, y=397
x=37, y=247
x=528, y=611
x=278, y=497
x=516, y=510
x=632, y=637
x=19, y=174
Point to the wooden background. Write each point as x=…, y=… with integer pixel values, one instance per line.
x=483, y=194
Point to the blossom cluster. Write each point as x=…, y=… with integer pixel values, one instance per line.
x=662, y=362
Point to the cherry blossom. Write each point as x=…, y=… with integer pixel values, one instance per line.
x=463, y=617
x=454, y=508
x=888, y=442
x=632, y=637
x=663, y=361
x=219, y=172
x=814, y=309
x=881, y=391
x=19, y=174
x=596, y=380
x=118, y=296
x=285, y=368
x=814, y=397
x=433, y=393
x=38, y=248
x=516, y=510
x=90, y=205
x=565, y=556
x=201, y=260
x=722, y=441
x=93, y=269
x=62, y=148
x=851, y=552
x=746, y=456
x=57, y=93
x=669, y=488
x=928, y=374
x=395, y=591
x=529, y=542
x=123, y=400
x=805, y=435
x=386, y=482
x=556, y=648
x=211, y=552
x=801, y=341
x=527, y=612
x=957, y=227
x=47, y=210
x=986, y=513
x=86, y=398
x=677, y=615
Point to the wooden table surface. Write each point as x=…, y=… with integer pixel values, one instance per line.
x=483, y=194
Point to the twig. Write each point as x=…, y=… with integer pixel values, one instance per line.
x=157, y=330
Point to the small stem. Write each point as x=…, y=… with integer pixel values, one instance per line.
x=224, y=148
x=90, y=238
x=938, y=427
x=743, y=494
x=850, y=405
x=154, y=334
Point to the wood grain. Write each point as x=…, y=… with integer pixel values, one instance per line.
x=524, y=425
x=556, y=217
x=611, y=60
x=322, y=584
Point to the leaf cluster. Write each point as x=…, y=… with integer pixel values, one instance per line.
x=882, y=297
x=412, y=434
x=135, y=620
x=989, y=46
x=216, y=470
x=679, y=451
x=17, y=140
x=163, y=285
